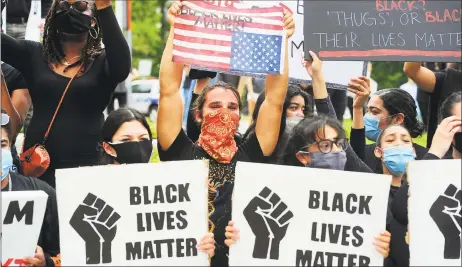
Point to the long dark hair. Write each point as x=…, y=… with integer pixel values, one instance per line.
x=113, y=123
x=306, y=133
x=52, y=50
x=397, y=101
x=293, y=90
x=449, y=102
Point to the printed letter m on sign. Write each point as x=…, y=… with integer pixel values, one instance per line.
x=14, y=211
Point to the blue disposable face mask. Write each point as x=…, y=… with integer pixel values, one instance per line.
x=371, y=124
x=396, y=159
x=330, y=161
x=7, y=162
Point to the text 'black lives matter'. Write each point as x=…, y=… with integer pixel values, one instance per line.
x=160, y=221
x=384, y=30
x=338, y=234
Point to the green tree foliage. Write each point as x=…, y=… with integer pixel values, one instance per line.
x=388, y=74
x=148, y=32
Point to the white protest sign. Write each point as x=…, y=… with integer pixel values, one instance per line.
x=295, y=216
x=434, y=212
x=22, y=218
x=33, y=23
x=133, y=215
x=336, y=73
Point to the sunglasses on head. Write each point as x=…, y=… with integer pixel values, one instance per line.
x=5, y=119
x=79, y=5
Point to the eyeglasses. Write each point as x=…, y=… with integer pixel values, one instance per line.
x=325, y=145
x=5, y=119
x=78, y=5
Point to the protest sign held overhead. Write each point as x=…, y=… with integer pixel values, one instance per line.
x=337, y=74
x=435, y=212
x=151, y=215
x=325, y=219
x=384, y=30
x=22, y=218
x=240, y=39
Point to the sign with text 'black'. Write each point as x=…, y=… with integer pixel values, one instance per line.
x=384, y=30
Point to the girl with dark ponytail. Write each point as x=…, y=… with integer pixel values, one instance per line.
x=385, y=107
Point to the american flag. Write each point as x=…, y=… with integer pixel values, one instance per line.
x=234, y=38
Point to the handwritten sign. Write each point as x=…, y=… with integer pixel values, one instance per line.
x=384, y=30
x=337, y=74
x=294, y=216
x=22, y=218
x=133, y=215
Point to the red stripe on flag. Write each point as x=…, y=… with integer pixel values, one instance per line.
x=236, y=10
x=201, y=40
x=202, y=51
x=202, y=30
x=241, y=24
x=213, y=65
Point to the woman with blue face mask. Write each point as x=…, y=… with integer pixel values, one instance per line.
x=395, y=150
x=386, y=107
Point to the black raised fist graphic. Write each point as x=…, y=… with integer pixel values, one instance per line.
x=447, y=214
x=268, y=218
x=95, y=222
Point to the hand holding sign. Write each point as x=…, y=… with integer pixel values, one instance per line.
x=267, y=209
x=38, y=259
x=447, y=214
x=174, y=11
x=289, y=23
x=313, y=66
x=95, y=222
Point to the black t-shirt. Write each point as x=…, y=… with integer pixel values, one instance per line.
x=447, y=82
x=222, y=176
x=13, y=78
x=49, y=234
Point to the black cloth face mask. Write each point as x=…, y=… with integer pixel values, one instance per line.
x=73, y=22
x=133, y=152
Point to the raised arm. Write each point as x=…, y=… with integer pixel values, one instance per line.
x=361, y=88
x=170, y=113
x=321, y=97
x=422, y=76
x=269, y=118
x=118, y=60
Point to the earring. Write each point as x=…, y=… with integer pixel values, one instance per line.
x=96, y=34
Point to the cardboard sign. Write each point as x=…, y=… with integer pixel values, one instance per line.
x=22, y=218
x=295, y=216
x=133, y=215
x=337, y=74
x=384, y=30
x=434, y=212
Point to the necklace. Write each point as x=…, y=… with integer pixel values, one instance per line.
x=66, y=61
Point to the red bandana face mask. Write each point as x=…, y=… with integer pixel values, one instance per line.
x=217, y=135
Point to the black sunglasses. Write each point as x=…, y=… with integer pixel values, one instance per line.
x=80, y=6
